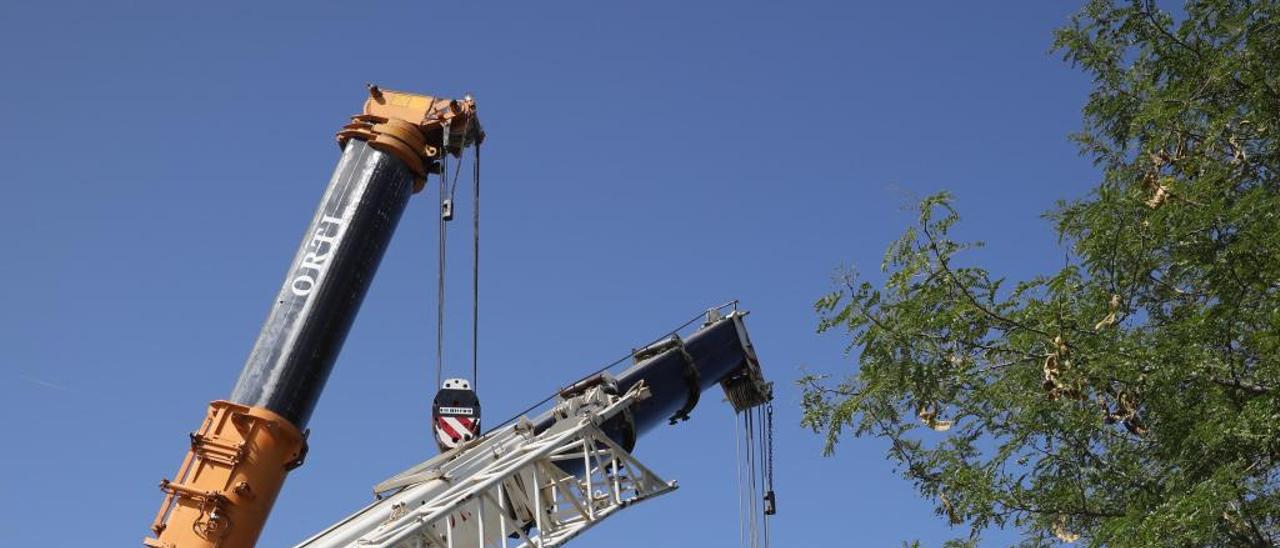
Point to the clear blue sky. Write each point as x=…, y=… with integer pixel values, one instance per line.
x=160, y=160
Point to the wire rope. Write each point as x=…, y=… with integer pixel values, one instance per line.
x=441, y=255
x=475, y=272
x=738, y=427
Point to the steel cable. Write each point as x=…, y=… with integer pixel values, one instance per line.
x=475, y=273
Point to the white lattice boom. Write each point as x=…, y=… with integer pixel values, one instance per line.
x=522, y=493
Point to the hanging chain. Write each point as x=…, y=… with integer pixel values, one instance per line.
x=769, y=421
x=770, y=501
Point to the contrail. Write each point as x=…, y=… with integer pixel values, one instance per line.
x=46, y=384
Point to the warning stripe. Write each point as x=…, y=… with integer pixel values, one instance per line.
x=450, y=431
x=443, y=424
x=457, y=424
x=444, y=440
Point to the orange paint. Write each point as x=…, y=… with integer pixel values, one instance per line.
x=224, y=490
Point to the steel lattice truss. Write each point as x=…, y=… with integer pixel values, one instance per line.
x=525, y=497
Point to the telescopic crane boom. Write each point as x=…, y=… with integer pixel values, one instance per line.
x=239, y=456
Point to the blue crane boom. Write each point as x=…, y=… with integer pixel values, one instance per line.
x=542, y=480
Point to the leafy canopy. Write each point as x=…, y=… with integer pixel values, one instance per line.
x=1131, y=398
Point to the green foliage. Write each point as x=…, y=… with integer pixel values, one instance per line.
x=1131, y=398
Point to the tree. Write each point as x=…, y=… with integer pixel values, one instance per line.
x=1131, y=398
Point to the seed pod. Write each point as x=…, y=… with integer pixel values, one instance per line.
x=1060, y=530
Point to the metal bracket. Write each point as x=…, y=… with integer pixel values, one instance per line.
x=692, y=379
x=446, y=209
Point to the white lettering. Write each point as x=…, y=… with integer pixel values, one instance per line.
x=302, y=285
x=315, y=262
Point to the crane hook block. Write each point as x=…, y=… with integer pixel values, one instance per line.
x=455, y=414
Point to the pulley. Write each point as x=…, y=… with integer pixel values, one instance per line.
x=455, y=414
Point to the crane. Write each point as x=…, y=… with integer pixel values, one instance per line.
x=539, y=481
x=542, y=481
